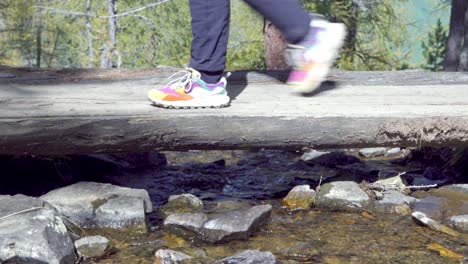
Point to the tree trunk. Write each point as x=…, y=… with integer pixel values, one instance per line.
x=109, y=49
x=89, y=35
x=464, y=53
x=275, y=46
x=39, y=36
x=455, y=38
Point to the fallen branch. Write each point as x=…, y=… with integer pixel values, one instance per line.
x=77, y=13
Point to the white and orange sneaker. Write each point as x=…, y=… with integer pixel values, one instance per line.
x=312, y=58
x=190, y=91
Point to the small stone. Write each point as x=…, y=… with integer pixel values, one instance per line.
x=299, y=198
x=182, y=203
x=185, y=224
x=166, y=256
x=93, y=246
x=250, y=257
x=236, y=224
x=342, y=195
x=313, y=154
x=395, y=182
x=459, y=222
x=424, y=220
x=99, y=205
x=393, y=152
x=395, y=202
x=372, y=152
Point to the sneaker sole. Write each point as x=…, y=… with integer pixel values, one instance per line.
x=318, y=74
x=216, y=101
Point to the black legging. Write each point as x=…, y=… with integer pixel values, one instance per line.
x=210, y=29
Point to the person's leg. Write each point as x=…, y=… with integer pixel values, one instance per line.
x=316, y=42
x=287, y=15
x=210, y=30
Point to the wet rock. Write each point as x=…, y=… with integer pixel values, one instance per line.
x=424, y=220
x=185, y=224
x=342, y=195
x=93, y=246
x=396, y=182
x=462, y=188
x=372, y=152
x=433, y=207
x=233, y=225
x=312, y=154
x=36, y=236
x=221, y=227
x=166, y=256
x=459, y=222
x=18, y=203
x=249, y=257
x=182, y=203
x=300, y=197
x=98, y=205
x=395, y=202
x=301, y=252
x=393, y=152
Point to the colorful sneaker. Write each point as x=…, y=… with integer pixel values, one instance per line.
x=189, y=91
x=311, y=59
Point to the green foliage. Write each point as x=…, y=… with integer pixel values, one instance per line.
x=156, y=36
x=376, y=32
x=434, y=47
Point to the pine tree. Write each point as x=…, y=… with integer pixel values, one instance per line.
x=434, y=48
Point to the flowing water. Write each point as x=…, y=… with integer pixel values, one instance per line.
x=229, y=180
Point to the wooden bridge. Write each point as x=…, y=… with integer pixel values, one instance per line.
x=65, y=112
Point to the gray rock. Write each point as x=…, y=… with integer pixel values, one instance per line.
x=99, y=205
x=394, y=202
x=221, y=227
x=313, y=154
x=185, y=224
x=18, y=203
x=236, y=224
x=463, y=188
x=459, y=222
x=342, y=195
x=37, y=236
x=393, y=152
x=299, y=198
x=182, y=203
x=372, y=152
x=166, y=256
x=433, y=207
x=396, y=197
x=93, y=246
x=250, y=257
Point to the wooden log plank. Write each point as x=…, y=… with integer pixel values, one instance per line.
x=97, y=116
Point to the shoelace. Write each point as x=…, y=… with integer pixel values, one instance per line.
x=185, y=80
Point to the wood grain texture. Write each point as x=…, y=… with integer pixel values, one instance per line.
x=52, y=116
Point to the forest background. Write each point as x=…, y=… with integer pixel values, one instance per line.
x=384, y=34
